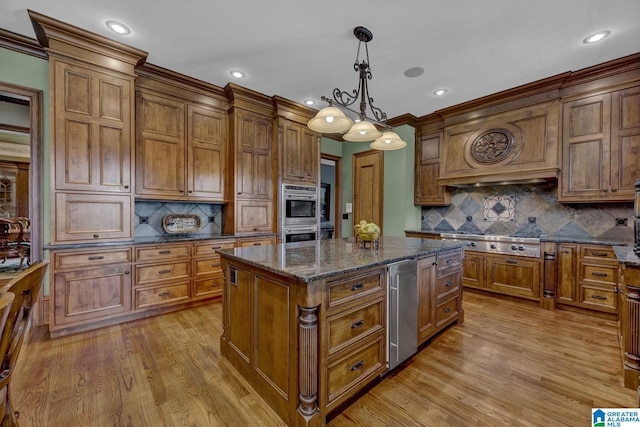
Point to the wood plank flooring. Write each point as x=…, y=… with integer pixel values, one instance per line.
x=510, y=364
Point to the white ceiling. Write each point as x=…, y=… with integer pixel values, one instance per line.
x=303, y=49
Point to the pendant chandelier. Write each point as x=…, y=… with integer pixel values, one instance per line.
x=332, y=119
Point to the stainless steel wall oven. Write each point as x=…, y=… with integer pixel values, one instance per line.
x=299, y=213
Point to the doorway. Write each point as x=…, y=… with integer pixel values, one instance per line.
x=368, y=186
x=330, y=196
x=32, y=129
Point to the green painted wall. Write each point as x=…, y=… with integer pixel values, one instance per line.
x=31, y=72
x=399, y=213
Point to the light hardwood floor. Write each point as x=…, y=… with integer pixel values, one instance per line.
x=510, y=364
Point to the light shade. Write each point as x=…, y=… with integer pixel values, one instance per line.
x=362, y=131
x=330, y=120
x=388, y=141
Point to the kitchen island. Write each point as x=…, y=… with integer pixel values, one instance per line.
x=306, y=323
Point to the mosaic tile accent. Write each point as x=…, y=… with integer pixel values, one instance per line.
x=149, y=214
x=499, y=208
x=535, y=211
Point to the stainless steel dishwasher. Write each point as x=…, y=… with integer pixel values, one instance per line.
x=402, y=313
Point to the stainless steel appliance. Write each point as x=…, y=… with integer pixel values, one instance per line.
x=299, y=213
x=402, y=318
x=505, y=245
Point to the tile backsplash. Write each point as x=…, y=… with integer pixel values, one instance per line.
x=149, y=214
x=528, y=210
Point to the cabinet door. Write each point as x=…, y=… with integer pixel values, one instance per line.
x=514, y=276
x=300, y=154
x=254, y=216
x=253, y=163
x=206, y=153
x=92, y=217
x=427, y=170
x=625, y=142
x=93, y=136
x=586, y=149
x=567, y=255
x=81, y=296
x=473, y=270
x=237, y=299
x=426, y=298
x=160, y=148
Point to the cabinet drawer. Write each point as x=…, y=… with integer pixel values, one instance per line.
x=598, y=254
x=348, y=327
x=90, y=259
x=604, y=275
x=164, y=252
x=148, y=274
x=446, y=311
x=347, y=290
x=448, y=262
x=162, y=295
x=207, y=288
x=603, y=299
x=447, y=285
x=209, y=248
x=255, y=241
x=207, y=266
x=346, y=374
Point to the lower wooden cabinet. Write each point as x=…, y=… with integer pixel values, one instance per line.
x=94, y=287
x=515, y=276
x=89, y=287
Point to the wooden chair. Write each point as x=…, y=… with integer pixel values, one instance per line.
x=10, y=243
x=26, y=287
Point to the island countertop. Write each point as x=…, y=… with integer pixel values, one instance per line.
x=319, y=259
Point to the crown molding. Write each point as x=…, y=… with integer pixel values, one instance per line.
x=22, y=44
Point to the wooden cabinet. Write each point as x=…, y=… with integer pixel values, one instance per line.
x=300, y=153
x=181, y=149
x=473, y=270
x=426, y=296
x=162, y=275
x=515, y=276
x=92, y=116
x=427, y=191
x=206, y=270
x=255, y=241
x=252, y=163
x=588, y=277
x=89, y=287
x=600, y=133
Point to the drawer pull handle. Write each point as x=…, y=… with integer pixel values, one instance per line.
x=95, y=236
x=216, y=247
x=598, y=274
x=357, y=287
x=164, y=294
x=448, y=261
x=511, y=261
x=358, y=365
x=94, y=258
x=600, y=297
x=164, y=271
x=447, y=310
x=599, y=253
x=358, y=324
x=164, y=252
x=257, y=244
x=448, y=283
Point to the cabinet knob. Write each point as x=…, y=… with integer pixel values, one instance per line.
x=126, y=272
x=190, y=191
x=566, y=251
x=126, y=186
x=614, y=189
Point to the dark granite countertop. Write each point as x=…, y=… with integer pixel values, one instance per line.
x=626, y=255
x=553, y=239
x=167, y=238
x=318, y=259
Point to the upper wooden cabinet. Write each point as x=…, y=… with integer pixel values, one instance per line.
x=182, y=139
x=92, y=115
x=427, y=190
x=254, y=136
x=300, y=153
x=601, y=147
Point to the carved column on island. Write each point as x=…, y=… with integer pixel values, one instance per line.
x=308, y=361
x=630, y=324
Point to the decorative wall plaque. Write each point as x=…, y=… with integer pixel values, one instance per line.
x=492, y=146
x=181, y=223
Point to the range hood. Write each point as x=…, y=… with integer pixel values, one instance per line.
x=503, y=178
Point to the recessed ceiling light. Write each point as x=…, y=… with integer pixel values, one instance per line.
x=439, y=92
x=309, y=101
x=118, y=27
x=237, y=74
x=596, y=37
x=414, y=72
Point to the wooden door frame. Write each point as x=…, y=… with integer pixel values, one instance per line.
x=337, y=191
x=381, y=178
x=36, y=120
